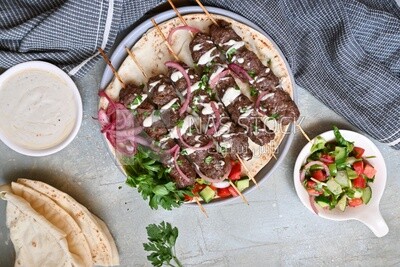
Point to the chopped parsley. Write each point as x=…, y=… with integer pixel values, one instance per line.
x=237, y=87
x=230, y=53
x=179, y=162
x=141, y=86
x=175, y=106
x=203, y=82
x=179, y=124
x=195, y=108
x=274, y=116
x=146, y=114
x=208, y=159
x=157, y=113
x=255, y=128
x=242, y=110
x=137, y=100
x=184, y=152
x=253, y=91
x=252, y=73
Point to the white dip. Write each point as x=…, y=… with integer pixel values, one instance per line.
x=37, y=109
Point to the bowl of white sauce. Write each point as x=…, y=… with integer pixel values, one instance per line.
x=40, y=108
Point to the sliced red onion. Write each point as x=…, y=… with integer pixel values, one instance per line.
x=223, y=184
x=175, y=65
x=103, y=94
x=176, y=154
x=257, y=103
x=210, y=144
x=172, y=150
x=186, y=27
x=215, y=80
x=215, y=127
x=328, y=161
x=103, y=118
x=312, y=203
x=240, y=72
x=308, y=165
x=123, y=134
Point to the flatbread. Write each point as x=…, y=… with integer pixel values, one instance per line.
x=102, y=246
x=152, y=53
x=36, y=241
x=57, y=216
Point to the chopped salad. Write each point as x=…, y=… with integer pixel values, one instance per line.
x=337, y=174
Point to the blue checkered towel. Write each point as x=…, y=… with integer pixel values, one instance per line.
x=345, y=52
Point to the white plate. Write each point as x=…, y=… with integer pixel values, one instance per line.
x=368, y=214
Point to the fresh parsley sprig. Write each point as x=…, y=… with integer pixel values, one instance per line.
x=151, y=178
x=162, y=239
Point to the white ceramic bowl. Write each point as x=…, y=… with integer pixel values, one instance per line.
x=47, y=67
x=368, y=214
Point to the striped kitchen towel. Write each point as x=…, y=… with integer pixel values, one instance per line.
x=345, y=52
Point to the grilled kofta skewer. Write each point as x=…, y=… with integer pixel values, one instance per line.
x=272, y=101
x=146, y=114
x=231, y=139
x=198, y=147
x=239, y=107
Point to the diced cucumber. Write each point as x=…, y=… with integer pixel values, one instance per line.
x=334, y=187
x=340, y=154
x=351, y=160
x=366, y=196
x=341, y=166
x=322, y=201
x=207, y=194
x=319, y=143
x=341, y=178
x=351, y=174
x=242, y=184
x=342, y=203
x=358, y=193
x=332, y=169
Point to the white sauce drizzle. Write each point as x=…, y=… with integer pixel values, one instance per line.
x=267, y=96
x=169, y=104
x=134, y=106
x=206, y=57
x=197, y=47
x=223, y=129
x=193, y=88
x=207, y=109
x=246, y=114
x=218, y=71
x=151, y=85
x=151, y=119
x=187, y=123
x=230, y=95
x=161, y=88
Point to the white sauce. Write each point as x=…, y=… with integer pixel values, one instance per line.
x=234, y=44
x=193, y=88
x=226, y=144
x=38, y=109
x=246, y=114
x=271, y=124
x=151, y=119
x=240, y=60
x=230, y=95
x=197, y=47
x=134, y=106
x=176, y=76
x=223, y=129
x=206, y=58
x=267, y=96
x=207, y=109
x=218, y=71
x=187, y=123
x=161, y=88
x=169, y=104
x=151, y=85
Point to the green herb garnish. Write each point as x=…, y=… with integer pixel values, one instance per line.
x=175, y=106
x=151, y=178
x=208, y=159
x=230, y=53
x=162, y=239
x=184, y=152
x=137, y=100
x=274, y=116
x=252, y=73
x=253, y=91
x=179, y=124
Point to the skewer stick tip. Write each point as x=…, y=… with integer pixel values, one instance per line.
x=165, y=39
x=207, y=13
x=203, y=210
x=247, y=171
x=303, y=132
x=177, y=12
x=237, y=191
x=107, y=60
x=133, y=57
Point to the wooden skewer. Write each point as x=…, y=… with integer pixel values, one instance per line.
x=133, y=57
x=240, y=194
x=247, y=171
x=107, y=60
x=207, y=13
x=165, y=39
x=177, y=12
x=303, y=132
x=203, y=210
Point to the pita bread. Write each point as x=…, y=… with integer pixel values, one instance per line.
x=152, y=53
x=60, y=219
x=102, y=246
x=36, y=241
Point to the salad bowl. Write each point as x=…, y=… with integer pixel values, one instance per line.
x=369, y=213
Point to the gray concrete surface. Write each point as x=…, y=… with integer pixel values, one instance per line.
x=274, y=230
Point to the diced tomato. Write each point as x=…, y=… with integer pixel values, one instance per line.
x=319, y=175
x=313, y=192
x=327, y=158
x=233, y=191
x=224, y=192
x=358, y=152
x=311, y=184
x=188, y=198
x=212, y=187
x=359, y=182
x=358, y=166
x=369, y=171
x=197, y=188
x=236, y=171
x=354, y=202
